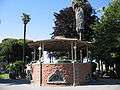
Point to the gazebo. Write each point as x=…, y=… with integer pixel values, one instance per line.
x=62, y=73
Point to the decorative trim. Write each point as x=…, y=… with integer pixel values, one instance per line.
x=59, y=75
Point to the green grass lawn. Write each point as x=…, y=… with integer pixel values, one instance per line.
x=4, y=76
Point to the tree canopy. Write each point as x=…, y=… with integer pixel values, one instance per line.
x=107, y=35
x=65, y=23
x=12, y=50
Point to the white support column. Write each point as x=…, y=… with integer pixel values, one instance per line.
x=72, y=51
x=34, y=54
x=75, y=52
x=74, y=79
x=68, y=55
x=40, y=48
x=72, y=56
x=75, y=58
x=81, y=56
x=42, y=52
x=80, y=36
x=87, y=53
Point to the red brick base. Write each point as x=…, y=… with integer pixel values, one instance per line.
x=41, y=74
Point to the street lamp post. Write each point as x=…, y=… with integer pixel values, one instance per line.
x=25, y=18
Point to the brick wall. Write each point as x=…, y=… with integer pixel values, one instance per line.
x=81, y=70
x=36, y=73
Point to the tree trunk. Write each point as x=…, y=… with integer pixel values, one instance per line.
x=24, y=42
x=106, y=67
x=99, y=65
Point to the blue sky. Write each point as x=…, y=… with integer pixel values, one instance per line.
x=41, y=13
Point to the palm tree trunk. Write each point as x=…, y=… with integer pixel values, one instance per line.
x=24, y=43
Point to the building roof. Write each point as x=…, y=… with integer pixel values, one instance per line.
x=60, y=44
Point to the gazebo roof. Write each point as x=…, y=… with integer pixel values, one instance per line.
x=59, y=44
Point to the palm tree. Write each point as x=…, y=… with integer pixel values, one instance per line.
x=25, y=18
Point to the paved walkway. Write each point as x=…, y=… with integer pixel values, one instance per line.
x=104, y=82
x=25, y=85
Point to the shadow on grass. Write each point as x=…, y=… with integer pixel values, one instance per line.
x=14, y=81
x=104, y=82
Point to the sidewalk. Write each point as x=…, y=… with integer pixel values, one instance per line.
x=24, y=85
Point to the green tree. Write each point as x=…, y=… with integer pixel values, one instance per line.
x=12, y=50
x=65, y=23
x=6, y=49
x=107, y=36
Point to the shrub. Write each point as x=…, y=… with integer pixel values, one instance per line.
x=16, y=69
